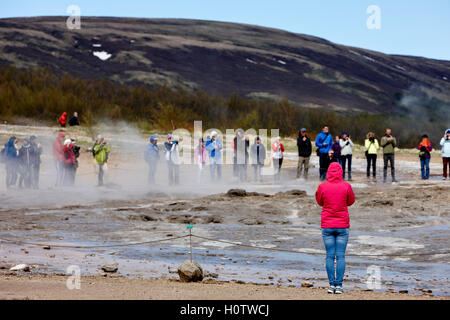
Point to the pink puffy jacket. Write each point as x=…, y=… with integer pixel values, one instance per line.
x=335, y=195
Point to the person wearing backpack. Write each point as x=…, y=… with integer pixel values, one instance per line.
x=425, y=156
x=323, y=142
x=101, y=153
x=151, y=156
x=445, y=144
x=372, y=146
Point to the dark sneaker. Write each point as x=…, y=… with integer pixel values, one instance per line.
x=331, y=289
x=339, y=290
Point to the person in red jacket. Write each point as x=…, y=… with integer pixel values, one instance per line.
x=63, y=119
x=334, y=196
x=69, y=163
x=57, y=149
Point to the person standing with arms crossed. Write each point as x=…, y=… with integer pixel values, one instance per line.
x=388, y=143
x=304, y=153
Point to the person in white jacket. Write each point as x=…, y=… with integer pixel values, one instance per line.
x=346, y=153
x=445, y=144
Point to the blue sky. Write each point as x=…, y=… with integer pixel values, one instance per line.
x=414, y=27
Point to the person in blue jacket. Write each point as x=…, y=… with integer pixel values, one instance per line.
x=151, y=156
x=214, y=147
x=11, y=159
x=324, y=141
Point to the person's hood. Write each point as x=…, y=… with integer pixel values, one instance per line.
x=11, y=141
x=153, y=138
x=447, y=131
x=64, y=114
x=334, y=172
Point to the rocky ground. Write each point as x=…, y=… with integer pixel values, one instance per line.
x=269, y=233
x=46, y=287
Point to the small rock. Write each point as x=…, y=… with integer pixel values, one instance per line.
x=190, y=271
x=270, y=277
x=172, y=270
x=403, y=291
x=248, y=262
x=237, y=193
x=307, y=284
x=110, y=267
x=20, y=267
x=211, y=274
x=46, y=247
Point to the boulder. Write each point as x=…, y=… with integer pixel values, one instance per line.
x=190, y=271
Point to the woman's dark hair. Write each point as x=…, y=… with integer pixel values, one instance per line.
x=425, y=136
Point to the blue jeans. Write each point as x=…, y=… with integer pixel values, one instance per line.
x=425, y=168
x=335, y=241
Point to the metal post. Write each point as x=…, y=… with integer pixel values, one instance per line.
x=190, y=241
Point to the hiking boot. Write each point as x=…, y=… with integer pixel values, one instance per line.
x=339, y=290
x=331, y=289
x=394, y=180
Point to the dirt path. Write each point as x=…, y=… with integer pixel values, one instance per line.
x=54, y=288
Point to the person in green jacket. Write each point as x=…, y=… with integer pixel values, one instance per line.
x=101, y=153
x=388, y=143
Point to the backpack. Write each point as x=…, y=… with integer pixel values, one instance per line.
x=93, y=152
x=317, y=150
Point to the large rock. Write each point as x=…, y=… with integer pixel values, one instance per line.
x=190, y=271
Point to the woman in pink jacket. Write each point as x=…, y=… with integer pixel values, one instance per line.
x=200, y=157
x=334, y=196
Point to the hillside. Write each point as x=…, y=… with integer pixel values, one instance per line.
x=225, y=58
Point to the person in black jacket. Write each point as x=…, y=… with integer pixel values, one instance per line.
x=74, y=120
x=36, y=162
x=304, y=152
